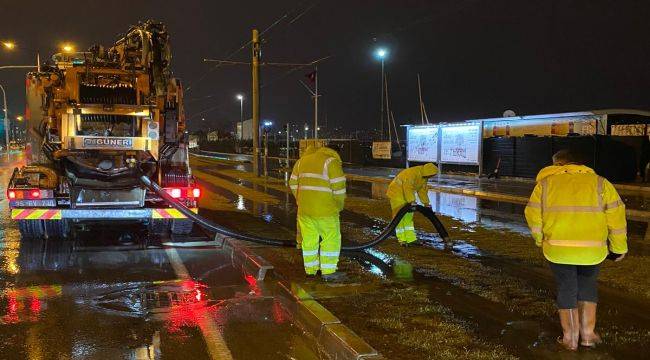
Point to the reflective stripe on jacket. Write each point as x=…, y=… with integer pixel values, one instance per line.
x=576, y=215
x=318, y=183
x=410, y=181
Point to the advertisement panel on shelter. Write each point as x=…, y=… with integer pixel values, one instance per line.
x=422, y=143
x=460, y=144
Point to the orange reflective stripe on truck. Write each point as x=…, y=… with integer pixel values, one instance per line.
x=35, y=214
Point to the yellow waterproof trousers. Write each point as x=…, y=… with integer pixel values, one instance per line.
x=320, y=255
x=405, y=230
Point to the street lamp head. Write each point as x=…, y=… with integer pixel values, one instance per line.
x=67, y=48
x=268, y=123
x=19, y=118
x=8, y=45
x=381, y=53
x=240, y=97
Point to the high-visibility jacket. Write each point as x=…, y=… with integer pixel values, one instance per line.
x=410, y=181
x=318, y=183
x=576, y=216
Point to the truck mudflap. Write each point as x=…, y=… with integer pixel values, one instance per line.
x=97, y=214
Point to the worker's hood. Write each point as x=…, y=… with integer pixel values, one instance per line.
x=329, y=152
x=429, y=170
x=309, y=150
x=568, y=169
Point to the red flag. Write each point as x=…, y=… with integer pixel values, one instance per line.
x=312, y=76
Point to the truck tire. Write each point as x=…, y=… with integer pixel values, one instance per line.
x=181, y=226
x=31, y=229
x=59, y=229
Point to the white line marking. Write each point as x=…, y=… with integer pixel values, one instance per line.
x=211, y=334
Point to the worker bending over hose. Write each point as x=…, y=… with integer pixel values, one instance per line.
x=402, y=190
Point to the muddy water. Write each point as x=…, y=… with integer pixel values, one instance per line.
x=490, y=288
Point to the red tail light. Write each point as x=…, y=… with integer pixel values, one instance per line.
x=24, y=194
x=184, y=193
x=175, y=193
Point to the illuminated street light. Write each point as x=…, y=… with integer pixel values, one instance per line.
x=240, y=97
x=268, y=123
x=19, y=118
x=381, y=54
x=67, y=48
x=9, y=45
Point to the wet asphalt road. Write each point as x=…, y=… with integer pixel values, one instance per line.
x=90, y=297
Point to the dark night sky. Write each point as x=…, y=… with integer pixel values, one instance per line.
x=476, y=58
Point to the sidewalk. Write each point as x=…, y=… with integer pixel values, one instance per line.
x=636, y=197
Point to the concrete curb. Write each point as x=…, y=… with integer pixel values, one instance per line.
x=338, y=341
x=242, y=257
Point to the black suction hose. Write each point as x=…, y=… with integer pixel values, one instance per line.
x=387, y=232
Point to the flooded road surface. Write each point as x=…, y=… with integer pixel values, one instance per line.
x=487, y=295
x=97, y=296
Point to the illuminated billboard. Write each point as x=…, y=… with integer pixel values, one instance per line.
x=422, y=143
x=460, y=144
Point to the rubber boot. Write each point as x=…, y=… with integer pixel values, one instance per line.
x=570, y=321
x=588, y=337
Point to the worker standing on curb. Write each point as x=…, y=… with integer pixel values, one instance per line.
x=576, y=217
x=401, y=192
x=318, y=184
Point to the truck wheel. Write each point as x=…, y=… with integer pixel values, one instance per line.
x=181, y=226
x=31, y=229
x=57, y=228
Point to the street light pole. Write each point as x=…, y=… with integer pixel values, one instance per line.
x=381, y=93
x=6, y=119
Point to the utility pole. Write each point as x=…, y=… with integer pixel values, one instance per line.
x=256, y=102
x=316, y=104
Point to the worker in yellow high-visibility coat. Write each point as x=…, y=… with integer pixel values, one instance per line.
x=577, y=218
x=401, y=192
x=319, y=185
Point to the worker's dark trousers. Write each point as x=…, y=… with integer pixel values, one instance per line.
x=575, y=283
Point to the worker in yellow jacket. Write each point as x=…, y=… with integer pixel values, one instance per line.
x=577, y=218
x=318, y=184
x=401, y=192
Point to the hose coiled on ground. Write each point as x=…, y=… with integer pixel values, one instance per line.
x=209, y=225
